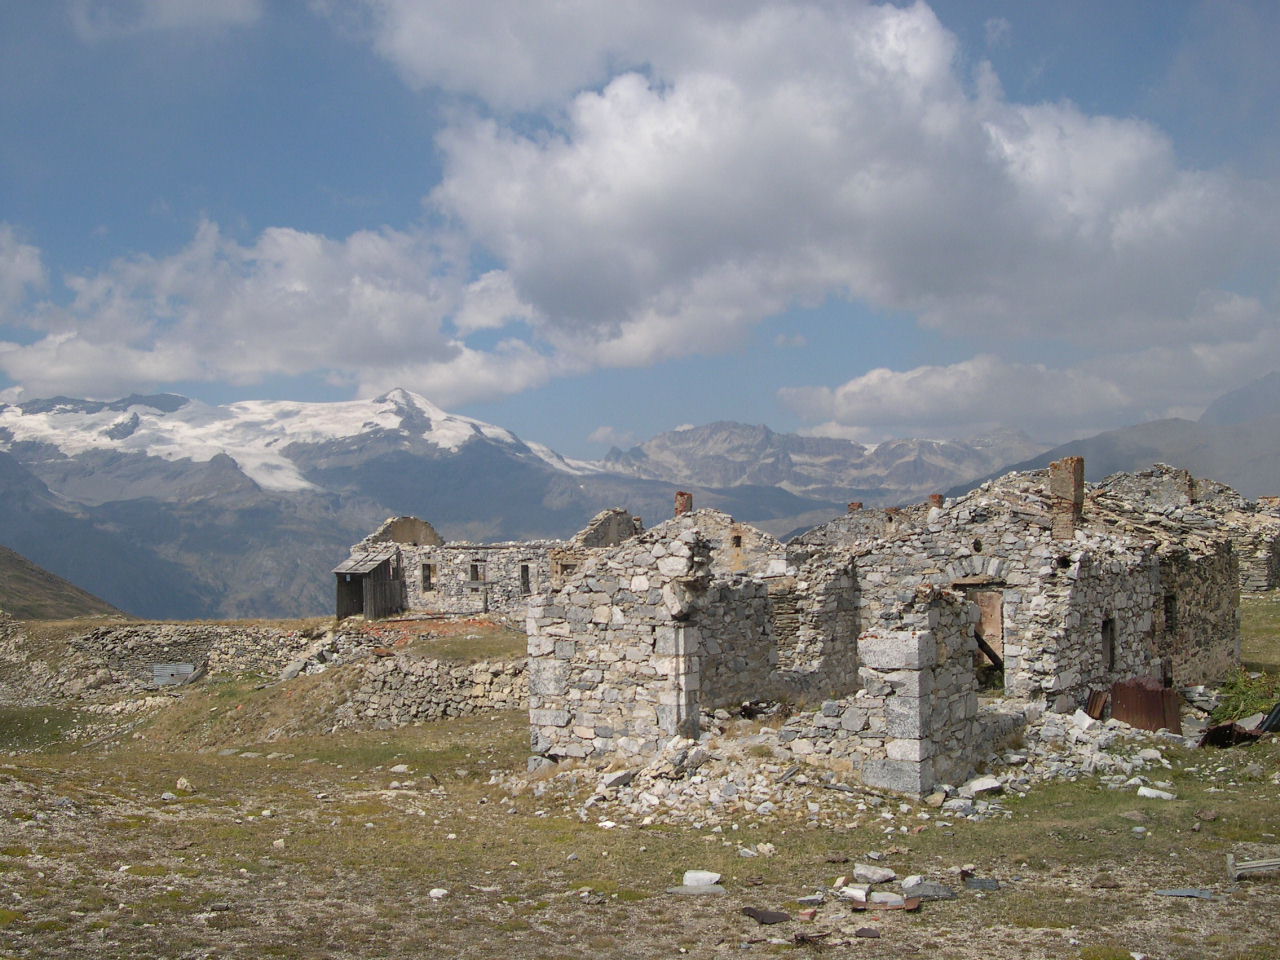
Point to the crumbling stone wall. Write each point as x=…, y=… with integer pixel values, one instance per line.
x=403, y=689
x=1173, y=507
x=629, y=651
x=1056, y=594
x=466, y=578
x=914, y=723
x=130, y=650
x=1195, y=610
x=611, y=654
x=735, y=547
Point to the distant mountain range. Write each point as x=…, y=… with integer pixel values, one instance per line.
x=169, y=507
x=896, y=471
x=1236, y=441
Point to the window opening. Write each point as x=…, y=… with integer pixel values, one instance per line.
x=1109, y=643
x=525, y=587
x=428, y=578
x=1170, y=612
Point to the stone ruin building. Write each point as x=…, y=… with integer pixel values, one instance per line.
x=908, y=641
x=405, y=565
x=880, y=624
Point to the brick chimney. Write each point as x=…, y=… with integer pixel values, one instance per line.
x=936, y=499
x=1066, y=493
x=684, y=502
x=855, y=506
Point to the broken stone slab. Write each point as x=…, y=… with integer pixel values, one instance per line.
x=293, y=669
x=886, y=899
x=766, y=917
x=868, y=873
x=619, y=778
x=699, y=878
x=928, y=890
x=981, y=785
x=1151, y=793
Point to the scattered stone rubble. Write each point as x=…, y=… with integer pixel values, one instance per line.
x=731, y=777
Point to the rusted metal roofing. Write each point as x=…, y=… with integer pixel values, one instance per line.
x=364, y=562
x=1147, y=704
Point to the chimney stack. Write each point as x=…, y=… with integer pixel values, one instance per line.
x=1066, y=493
x=936, y=499
x=855, y=506
x=684, y=502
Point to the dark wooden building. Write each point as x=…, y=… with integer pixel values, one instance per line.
x=371, y=584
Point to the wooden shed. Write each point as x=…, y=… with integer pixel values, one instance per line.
x=370, y=584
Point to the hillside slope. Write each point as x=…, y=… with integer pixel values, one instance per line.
x=30, y=592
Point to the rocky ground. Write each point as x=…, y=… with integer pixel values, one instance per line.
x=230, y=819
x=429, y=841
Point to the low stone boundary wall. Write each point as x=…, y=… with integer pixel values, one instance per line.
x=405, y=689
x=130, y=650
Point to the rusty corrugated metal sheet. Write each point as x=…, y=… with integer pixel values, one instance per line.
x=1146, y=704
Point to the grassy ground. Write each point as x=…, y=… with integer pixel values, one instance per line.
x=1260, y=633
x=96, y=861
x=1255, y=688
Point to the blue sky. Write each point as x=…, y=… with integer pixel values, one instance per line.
x=591, y=222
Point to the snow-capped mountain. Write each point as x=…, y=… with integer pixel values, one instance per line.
x=166, y=506
x=257, y=435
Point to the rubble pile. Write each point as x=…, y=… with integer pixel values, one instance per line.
x=727, y=779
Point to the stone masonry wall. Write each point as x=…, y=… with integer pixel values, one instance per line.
x=1201, y=611
x=608, y=653
x=475, y=577
x=914, y=723
x=130, y=650
x=404, y=689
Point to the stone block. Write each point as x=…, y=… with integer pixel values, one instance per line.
x=897, y=651
x=907, y=717
x=548, y=677
x=549, y=718
x=666, y=641
x=911, y=683
x=911, y=750
x=900, y=776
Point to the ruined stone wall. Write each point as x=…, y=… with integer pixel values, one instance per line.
x=1198, y=607
x=815, y=623
x=130, y=650
x=475, y=577
x=1174, y=507
x=1255, y=535
x=641, y=640
x=404, y=689
x=915, y=721
x=1056, y=593
x=735, y=547
x=610, y=653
